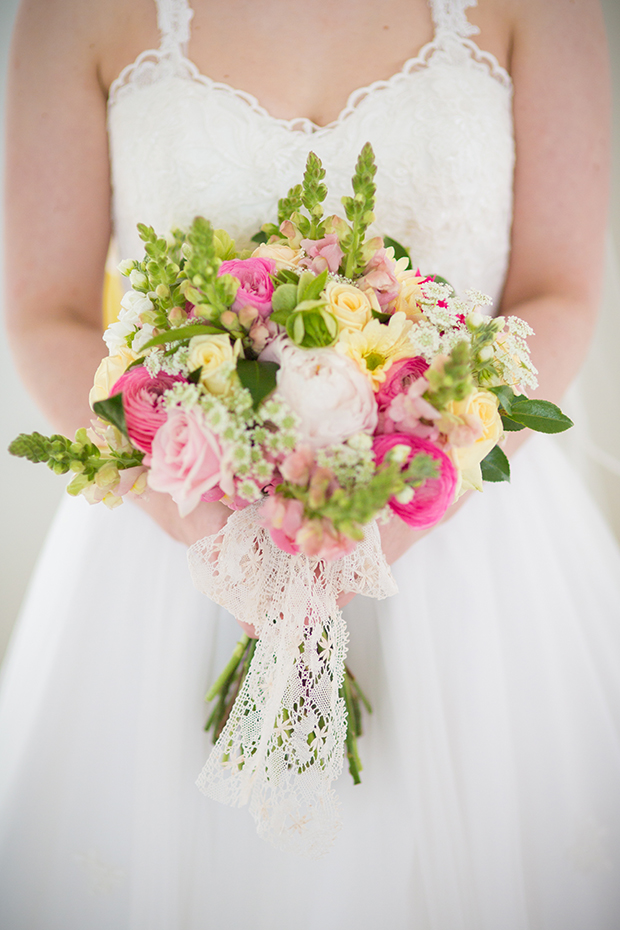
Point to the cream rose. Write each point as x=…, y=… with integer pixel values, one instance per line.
x=108, y=373
x=350, y=306
x=410, y=295
x=481, y=406
x=217, y=358
x=282, y=255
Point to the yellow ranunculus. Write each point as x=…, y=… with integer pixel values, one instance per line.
x=217, y=358
x=108, y=373
x=349, y=304
x=482, y=405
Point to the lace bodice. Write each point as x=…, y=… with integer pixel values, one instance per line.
x=182, y=145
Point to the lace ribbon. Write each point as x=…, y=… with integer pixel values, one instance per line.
x=283, y=744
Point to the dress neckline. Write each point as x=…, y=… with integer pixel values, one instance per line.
x=173, y=53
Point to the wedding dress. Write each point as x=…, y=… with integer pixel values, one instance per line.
x=490, y=795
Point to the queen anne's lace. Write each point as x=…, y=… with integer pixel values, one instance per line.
x=283, y=744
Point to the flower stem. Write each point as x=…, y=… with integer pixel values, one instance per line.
x=230, y=669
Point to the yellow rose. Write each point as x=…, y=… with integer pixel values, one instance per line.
x=108, y=373
x=217, y=358
x=411, y=294
x=350, y=306
x=282, y=255
x=483, y=406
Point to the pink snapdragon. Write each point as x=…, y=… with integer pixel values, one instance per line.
x=379, y=274
x=186, y=458
x=410, y=413
x=322, y=254
x=255, y=283
x=431, y=500
x=143, y=403
x=283, y=517
x=319, y=539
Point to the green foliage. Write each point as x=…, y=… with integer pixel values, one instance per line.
x=495, y=467
x=258, y=377
x=290, y=204
x=359, y=211
x=185, y=333
x=113, y=411
x=519, y=412
x=314, y=193
x=454, y=382
x=62, y=455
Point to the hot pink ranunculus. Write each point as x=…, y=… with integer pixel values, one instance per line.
x=256, y=286
x=322, y=254
x=431, y=500
x=398, y=379
x=186, y=458
x=143, y=403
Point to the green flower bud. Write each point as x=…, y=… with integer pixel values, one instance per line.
x=162, y=291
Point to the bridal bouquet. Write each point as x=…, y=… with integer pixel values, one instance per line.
x=315, y=384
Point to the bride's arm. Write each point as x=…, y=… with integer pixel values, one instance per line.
x=561, y=113
x=57, y=209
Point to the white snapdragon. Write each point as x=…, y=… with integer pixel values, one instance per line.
x=142, y=337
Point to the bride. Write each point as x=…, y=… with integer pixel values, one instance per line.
x=492, y=762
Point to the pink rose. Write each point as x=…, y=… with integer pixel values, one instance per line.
x=431, y=500
x=256, y=286
x=143, y=403
x=322, y=254
x=185, y=459
x=380, y=275
x=398, y=379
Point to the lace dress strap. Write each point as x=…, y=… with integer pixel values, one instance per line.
x=450, y=18
x=173, y=19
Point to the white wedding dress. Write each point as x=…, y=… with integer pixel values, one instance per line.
x=490, y=797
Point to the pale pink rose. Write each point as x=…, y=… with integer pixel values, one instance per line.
x=185, y=459
x=381, y=276
x=398, y=379
x=431, y=500
x=283, y=518
x=327, y=391
x=143, y=403
x=319, y=539
x=322, y=254
x=407, y=411
x=256, y=286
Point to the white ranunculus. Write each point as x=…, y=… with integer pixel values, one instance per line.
x=327, y=391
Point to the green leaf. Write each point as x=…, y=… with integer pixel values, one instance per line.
x=280, y=316
x=184, y=332
x=495, y=467
x=260, y=237
x=439, y=280
x=505, y=395
x=312, y=291
x=113, y=411
x=284, y=297
x=194, y=376
x=258, y=377
x=382, y=317
x=399, y=250
x=540, y=415
x=510, y=425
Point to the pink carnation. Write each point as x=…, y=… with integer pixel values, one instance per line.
x=143, y=403
x=186, y=458
x=256, y=286
x=431, y=500
x=399, y=377
x=322, y=254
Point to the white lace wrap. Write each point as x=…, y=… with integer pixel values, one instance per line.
x=283, y=744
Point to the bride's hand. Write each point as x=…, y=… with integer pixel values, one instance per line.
x=204, y=520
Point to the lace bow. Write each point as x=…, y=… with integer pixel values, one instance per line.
x=283, y=744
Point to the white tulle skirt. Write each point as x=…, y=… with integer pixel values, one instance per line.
x=490, y=797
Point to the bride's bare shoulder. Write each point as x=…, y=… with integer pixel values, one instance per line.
x=104, y=35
